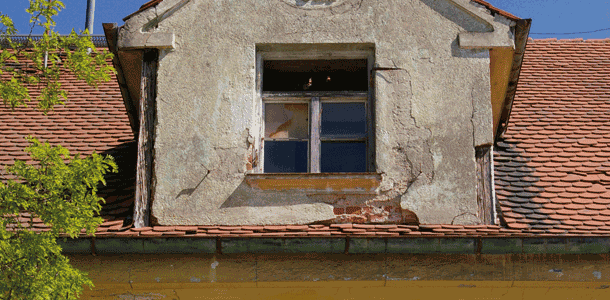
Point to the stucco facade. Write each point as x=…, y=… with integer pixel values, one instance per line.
x=430, y=94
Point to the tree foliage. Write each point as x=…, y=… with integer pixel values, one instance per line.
x=61, y=191
x=57, y=188
x=46, y=58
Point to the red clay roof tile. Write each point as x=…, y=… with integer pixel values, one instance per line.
x=560, y=108
x=542, y=190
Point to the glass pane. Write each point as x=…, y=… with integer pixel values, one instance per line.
x=343, y=157
x=343, y=120
x=283, y=121
x=285, y=157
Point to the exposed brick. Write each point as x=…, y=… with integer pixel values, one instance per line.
x=352, y=210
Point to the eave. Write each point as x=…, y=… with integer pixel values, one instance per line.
x=339, y=245
x=501, y=111
x=128, y=65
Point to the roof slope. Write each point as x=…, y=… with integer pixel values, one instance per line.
x=553, y=165
x=91, y=120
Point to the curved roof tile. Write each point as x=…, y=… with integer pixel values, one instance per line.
x=557, y=145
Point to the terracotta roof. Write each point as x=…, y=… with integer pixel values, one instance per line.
x=121, y=227
x=493, y=9
x=496, y=10
x=553, y=164
x=552, y=167
x=91, y=120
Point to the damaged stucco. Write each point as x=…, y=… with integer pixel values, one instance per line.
x=431, y=99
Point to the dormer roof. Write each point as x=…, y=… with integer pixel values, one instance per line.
x=508, y=15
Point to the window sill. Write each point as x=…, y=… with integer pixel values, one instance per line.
x=322, y=183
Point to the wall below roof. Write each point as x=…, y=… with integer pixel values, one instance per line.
x=317, y=276
x=500, y=65
x=432, y=107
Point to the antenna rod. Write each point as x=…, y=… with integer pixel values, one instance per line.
x=90, y=15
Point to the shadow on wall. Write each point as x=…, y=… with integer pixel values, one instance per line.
x=348, y=208
x=246, y=196
x=456, y=51
x=458, y=16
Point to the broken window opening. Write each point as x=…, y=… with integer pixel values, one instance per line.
x=316, y=116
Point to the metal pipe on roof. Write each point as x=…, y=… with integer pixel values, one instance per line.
x=90, y=15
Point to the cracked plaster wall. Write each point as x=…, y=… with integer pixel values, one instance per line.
x=428, y=109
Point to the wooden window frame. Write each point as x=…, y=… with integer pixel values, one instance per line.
x=315, y=100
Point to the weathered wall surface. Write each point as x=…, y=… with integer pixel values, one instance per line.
x=325, y=276
x=431, y=109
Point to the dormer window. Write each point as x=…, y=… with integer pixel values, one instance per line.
x=317, y=115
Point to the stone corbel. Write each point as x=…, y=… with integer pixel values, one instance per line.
x=485, y=40
x=146, y=40
x=496, y=38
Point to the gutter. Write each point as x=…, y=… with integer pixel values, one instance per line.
x=522, y=30
x=339, y=245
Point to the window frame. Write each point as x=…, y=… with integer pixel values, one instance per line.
x=315, y=100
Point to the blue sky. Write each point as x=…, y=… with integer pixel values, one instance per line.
x=549, y=16
x=561, y=16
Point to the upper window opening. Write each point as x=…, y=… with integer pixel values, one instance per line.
x=317, y=112
x=315, y=75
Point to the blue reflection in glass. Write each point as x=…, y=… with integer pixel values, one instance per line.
x=285, y=157
x=343, y=120
x=343, y=157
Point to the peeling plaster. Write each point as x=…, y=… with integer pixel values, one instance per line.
x=431, y=99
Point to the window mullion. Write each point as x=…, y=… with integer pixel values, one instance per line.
x=314, y=149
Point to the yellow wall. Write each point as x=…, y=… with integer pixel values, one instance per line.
x=325, y=276
x=364, y=290
x=500, y=64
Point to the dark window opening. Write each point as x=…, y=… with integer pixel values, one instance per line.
x=285, y=157
x=339, y=157
x=343, y=120
x=315, y=75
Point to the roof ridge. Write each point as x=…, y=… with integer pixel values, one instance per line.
x=496, y=10
x=144, y=6
x=487, y=5
x=605, y=40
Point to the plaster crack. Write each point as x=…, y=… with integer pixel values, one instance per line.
x=512, y=284
x=472, y=115
x=427, y=141
x=433, y=170
x=354, y=6
x=304, y=32
x=395, y=66
x=176, y=293
x=129, y=278
x=462, y=214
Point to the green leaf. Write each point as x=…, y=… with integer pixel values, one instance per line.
x=59, y=188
